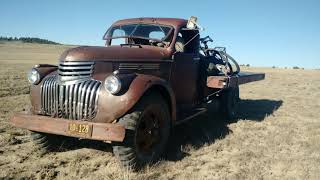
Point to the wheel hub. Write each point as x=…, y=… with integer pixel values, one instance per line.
x=148, y=132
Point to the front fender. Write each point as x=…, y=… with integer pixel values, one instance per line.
x=111, y=107
x=44, y=70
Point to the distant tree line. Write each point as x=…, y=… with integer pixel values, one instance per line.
x=28, y=40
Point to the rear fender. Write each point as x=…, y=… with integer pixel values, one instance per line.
x=111, y=107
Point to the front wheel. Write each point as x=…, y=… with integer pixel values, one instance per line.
x=147, y=131
x=47, y=142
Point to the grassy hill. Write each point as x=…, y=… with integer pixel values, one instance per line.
x=30, y=53
x=27, y=40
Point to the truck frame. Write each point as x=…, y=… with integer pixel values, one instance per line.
x=153, y=74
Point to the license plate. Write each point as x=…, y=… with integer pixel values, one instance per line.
x=80, y=129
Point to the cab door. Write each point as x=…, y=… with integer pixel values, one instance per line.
x=184, y=77
x=185, y=71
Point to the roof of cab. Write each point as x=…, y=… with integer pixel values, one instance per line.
x=175, y=22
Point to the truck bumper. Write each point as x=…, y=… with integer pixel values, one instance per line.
x=97, y=131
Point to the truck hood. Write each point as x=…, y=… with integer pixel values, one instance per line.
x=115, y=53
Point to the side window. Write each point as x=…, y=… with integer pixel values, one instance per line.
x=191, y=41
x=180, y=43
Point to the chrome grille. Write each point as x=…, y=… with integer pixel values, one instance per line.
x=69, y=72
x=76, y=101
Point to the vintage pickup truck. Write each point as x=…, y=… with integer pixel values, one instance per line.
x=152, y=74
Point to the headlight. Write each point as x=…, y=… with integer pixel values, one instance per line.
x=112, y=84
x=34, y=76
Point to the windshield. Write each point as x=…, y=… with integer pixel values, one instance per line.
x=153, y=32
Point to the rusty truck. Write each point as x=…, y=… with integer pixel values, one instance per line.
x=152, y=75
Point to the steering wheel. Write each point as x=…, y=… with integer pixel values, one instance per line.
x=158, y=43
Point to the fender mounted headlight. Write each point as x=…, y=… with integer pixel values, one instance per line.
x=112, y=84
x=33, y=76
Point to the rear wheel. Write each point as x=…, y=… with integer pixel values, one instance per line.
x=229, y=103
x=148, y=129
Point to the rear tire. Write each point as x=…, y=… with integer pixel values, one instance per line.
x=147, y=131
x=229, y=101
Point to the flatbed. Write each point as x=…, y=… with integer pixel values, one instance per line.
x=221, y=82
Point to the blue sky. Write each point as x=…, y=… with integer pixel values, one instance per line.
x=260, y=33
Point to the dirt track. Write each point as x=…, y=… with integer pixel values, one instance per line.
x=277, y=134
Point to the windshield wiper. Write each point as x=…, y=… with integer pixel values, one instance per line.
x=130, y=45
x=134, y=30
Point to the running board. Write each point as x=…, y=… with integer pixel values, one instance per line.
x=197, y=112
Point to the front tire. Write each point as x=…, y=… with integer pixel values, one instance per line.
x=46, y=142
x=147, y=131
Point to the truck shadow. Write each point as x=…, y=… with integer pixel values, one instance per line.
x=196, y=133
x=257, y=110
x=70, y=144
x=207, y=128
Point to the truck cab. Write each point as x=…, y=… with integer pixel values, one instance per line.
x=151, y=75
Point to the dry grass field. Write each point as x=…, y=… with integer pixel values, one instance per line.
x=277, y=135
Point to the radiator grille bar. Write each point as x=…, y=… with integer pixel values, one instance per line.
x=70, y=72
x=76, y=101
